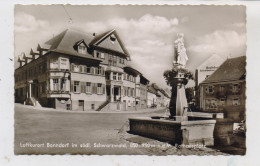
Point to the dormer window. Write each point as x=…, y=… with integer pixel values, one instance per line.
x=82, y=49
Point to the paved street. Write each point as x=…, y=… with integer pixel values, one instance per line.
x=91, y=131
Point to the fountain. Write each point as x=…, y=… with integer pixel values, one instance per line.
x=180, y=127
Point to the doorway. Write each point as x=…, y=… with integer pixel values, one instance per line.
x=81, y=105
x=116, y=93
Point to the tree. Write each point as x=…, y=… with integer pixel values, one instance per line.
x=171, y=80
x=189, y=94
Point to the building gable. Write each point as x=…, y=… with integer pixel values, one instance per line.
x=109, y=41
x=212, y=62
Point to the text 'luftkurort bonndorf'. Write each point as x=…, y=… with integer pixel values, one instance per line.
x=101, y=145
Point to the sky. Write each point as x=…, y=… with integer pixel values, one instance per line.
x=148, y=32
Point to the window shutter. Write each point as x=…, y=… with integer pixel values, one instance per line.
x=72, y=67
x=80, y=68
x=71, y=86
x=94, y=88
x=96, y=70
x=104, y=88
x=84, y=69
x=78, y=87
x=239, y=86
x=83, y=87
x=102, y=71
x=123, y=91
x=92, y=70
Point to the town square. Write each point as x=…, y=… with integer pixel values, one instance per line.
x=148, y=82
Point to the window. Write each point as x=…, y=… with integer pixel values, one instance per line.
x=235, y=88
x=54, y=63
x=81, y=102
x=114, y=61
x=209, y=89
x=235, y=102
x=112, y=38
x=121, y=60
x=99, y=88
x=92, y=106
x=74, y=68
x=110, y=59
x=55, y=84
x=102, y=55
x=88, y=87
x=210, y=104
x=67, y=106
x=76, y=86
x=222, y=102
x=97, y=54
x=82, y=49
x=99, y=71
x=119, y=76
x=222, y=88
x=114, y=76
x=88, y=70
x=63, y=63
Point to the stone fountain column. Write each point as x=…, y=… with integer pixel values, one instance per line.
x=181, y=100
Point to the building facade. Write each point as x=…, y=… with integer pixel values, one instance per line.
x=224, y=90
x=81, y=72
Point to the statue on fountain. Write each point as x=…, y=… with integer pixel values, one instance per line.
x=180, y=56
x=177, y=78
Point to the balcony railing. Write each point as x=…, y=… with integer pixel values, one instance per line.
x=57, y=92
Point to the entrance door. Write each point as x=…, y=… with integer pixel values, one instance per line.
x=116, y=93
x=36, y=91
x=81, y=105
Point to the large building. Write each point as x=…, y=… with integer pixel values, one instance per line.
x=224, y=90
x=81, y=72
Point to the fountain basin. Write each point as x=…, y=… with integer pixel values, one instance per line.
x=181, y=132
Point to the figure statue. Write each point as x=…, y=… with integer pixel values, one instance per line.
x=180, y=57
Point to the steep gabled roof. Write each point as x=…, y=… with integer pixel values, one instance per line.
x=232, y=69
x=64, y=42
x=102, y=42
